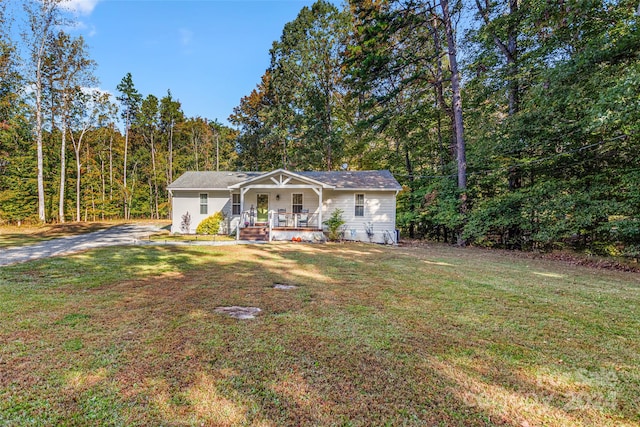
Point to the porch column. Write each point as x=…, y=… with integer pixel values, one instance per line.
x=320, y=209
x=240, y=220
x=243, y=191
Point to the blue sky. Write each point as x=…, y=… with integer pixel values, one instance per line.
x=209, y=53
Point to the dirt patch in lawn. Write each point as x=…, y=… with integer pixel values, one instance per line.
x=284, y=287
x=237, y=312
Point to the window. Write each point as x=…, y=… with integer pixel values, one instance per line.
x=235, y=204
x=359, y=205
x=203, y=204
x=296, y=202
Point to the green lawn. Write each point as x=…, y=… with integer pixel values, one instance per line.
x=372, y=335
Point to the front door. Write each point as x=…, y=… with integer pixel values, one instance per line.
x=263, y=208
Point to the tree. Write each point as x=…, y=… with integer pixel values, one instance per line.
x=456, y=102
x=170, y=114
x=147, y=122
x=307, y=89
x=255, y=151
x=43, y=17
x=88, y=107
x=559, y=148
x=130, y=100
x=69, y=69
x=398, y=72
x=10, y=78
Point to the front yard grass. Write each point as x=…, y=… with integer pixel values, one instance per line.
x=371, y=335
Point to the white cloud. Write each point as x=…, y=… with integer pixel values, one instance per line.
x=81, y=7
x=186, y=36
x=81, y=26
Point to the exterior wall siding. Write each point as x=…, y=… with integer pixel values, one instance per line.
x=189, y=201
x=379, y=212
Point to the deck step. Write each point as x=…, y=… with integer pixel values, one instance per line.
x=254, y=233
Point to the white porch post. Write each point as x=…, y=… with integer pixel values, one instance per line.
x=241, y=214
x=320, y=209
x=318, y=191
x=243, y=191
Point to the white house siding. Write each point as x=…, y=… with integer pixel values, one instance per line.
x=189, y=201
x=379, y=210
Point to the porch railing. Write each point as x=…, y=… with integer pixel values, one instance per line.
x=279, y=219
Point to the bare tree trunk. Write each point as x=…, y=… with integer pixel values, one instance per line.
x=456, y=105
x=93, y=204
x=194, y=140
x=151, y=210
x=155, y=178
x=171, y=153
x=170, y=175
x=102, y=179
x=40, y=156
x=111, y=165
x=77, y=146
x=42, y=16
x=78, y=173
x=456, y=96
x=217, y=152
x=124, y=168
x=63, y=170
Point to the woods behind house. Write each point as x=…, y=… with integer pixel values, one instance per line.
x=509, y=123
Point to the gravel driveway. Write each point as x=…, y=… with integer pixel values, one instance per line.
x=119, y=235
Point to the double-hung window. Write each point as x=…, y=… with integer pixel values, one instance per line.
x=296, y=202
x=235, y=204
x=204, y=204
x=359, y=203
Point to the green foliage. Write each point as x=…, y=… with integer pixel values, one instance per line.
x=211, y=224
x=552, y=121
x=334, y=224
x=297, y=115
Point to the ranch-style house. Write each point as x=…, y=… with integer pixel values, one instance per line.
x=286, y=205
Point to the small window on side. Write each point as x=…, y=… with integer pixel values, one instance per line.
x=204, y=204
x=235, y=204
x=359, y=211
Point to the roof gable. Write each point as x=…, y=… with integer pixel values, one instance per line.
x=280, y=178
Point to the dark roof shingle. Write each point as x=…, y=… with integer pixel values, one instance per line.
x=210, y=180
x=373, y=180
x=382, y=179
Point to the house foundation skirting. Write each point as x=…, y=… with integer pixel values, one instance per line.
x=297, y=234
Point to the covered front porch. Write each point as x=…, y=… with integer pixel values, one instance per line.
x=279, y=206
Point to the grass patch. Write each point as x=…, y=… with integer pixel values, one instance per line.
x=371, y=335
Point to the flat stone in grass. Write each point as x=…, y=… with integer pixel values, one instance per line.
x=283, y=286
x=239, y=312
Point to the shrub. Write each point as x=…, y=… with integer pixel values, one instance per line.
x=211, y=224
x=334, y=223
x=186, y=223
